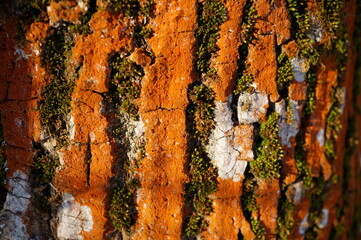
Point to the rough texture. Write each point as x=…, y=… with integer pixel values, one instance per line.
x=132, y=134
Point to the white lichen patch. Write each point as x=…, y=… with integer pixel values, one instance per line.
x=300, y=67
x=70, y=125
x=315, y=31
x=72, y=219
x=222, y=147
x=251, y=107
x=135, y=135
x=15, y=208
x=321, y=137
x=289, y=121
x=322, y=222
x=304, y=225
x=297, y=192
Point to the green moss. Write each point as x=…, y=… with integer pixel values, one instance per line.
x=125, y=84
x=56, y=96
x=211, y=15
x=45, y=165
x=249, y=18
x=122, y=211
x=269, y=153
x=333, y=124
x=284, y=70
x=285, y=220
x=203, y=174
x=194, y=225
x=244, y=84
x=202, y=110
x=203, y=183
x=309, y=106
x=245, y=79
x=299, y=19
x=132, y=8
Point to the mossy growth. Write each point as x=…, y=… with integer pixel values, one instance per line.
x=300, y=23
x=122, y=210
x=44, y=165
x=31, y=11
x=245, y=78
x=284, y=70
x=285, y=220
x=330, y=14
x=249, y=18
x=309, y=106
x=125, y=84
x=203, y=183
x=211, y=15
x=244, y=84
x=55, y=105
x=203, y=174
x=132, y=8
x=269, y=152
x=333, y=124
x=250, y=207
x=202, y=110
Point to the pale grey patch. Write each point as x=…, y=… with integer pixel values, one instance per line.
x=222, y=147
x=251, y=107
x=288, y=125
x=15, y=207
x=71, y=219
x=300, y=67
x=322, y=223
x=304, y=225
x=321, y=137
x=316, y=32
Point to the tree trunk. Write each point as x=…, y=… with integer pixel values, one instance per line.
x=190, y=119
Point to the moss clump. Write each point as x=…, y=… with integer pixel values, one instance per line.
x=245, y=79
x=202, y=172
x=125, y=84
x=284, y=70
x=249, y=18
x=55, y=105
x=44, y=166
x=269, y=153
x=132, y=8
x=122, y=210
x=203, y=182
x=309, y=106
x=202, y=109
x=333, y=124
x=211, y=15
x=285, y=220
x=244, y=84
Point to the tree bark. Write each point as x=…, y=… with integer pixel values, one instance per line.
x=190, y=119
